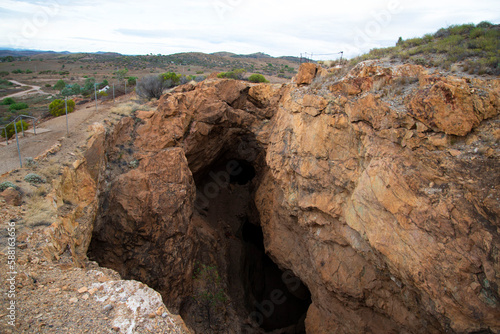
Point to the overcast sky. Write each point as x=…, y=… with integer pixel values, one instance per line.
x=278, y=28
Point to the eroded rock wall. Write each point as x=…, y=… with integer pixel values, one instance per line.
x=379, y=190
x=387, y=206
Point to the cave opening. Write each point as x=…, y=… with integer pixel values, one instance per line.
x=225, y=232
x=270, y=297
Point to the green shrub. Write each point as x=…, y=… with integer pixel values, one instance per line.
x=17, y=71
x=57, y=107
x=3, y=73
x=34, y=178
x=7, y=101
x=28, y=71
x=60, y=84
x=170, y=79
x=11, y=131
x=71, y=90
x=7, y=184
x=18, y=106
x=132, y=81
x=88, y=87
x=234, y=74
x=257, y=78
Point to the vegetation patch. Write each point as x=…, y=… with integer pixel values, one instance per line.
x=58, y=107
x=257, y=78
x=21, y=125
x=18, y=106
x=477, y=46
x=7, y=184
x=34, y=178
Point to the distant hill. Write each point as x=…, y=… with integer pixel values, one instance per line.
x=470, y=48
x=223, y=54
x=27, y=53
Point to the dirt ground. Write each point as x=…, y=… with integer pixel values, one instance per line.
x=78, y=123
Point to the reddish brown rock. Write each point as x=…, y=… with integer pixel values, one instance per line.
x=307, y=73
x=11, y=196
x=362, y=195
x=448, y=105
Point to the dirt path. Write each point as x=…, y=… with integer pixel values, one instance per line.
x=34, y=89
x=78, y=121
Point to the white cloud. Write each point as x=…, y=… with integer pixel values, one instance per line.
x=240, y=26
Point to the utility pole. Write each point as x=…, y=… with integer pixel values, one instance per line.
x=66, y=106
x=95, y=91
x=17, y=141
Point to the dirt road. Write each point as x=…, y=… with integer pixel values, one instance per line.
x=34, y=89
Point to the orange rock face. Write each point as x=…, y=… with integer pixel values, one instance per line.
x=380, y=191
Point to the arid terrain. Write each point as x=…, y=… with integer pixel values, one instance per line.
x=361, y=197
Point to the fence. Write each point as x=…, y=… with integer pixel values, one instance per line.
x=14, y=123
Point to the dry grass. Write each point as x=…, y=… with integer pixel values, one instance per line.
x=40, y=211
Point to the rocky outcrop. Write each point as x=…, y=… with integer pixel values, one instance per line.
x=75, y=199
x=390, y=228
x=378, y=191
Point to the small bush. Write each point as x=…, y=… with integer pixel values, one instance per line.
x=7, y=184
x=18, y=106
x=17, y=71
x=34, y=178
x=28, y=71
x=170, y=79
x=11, y=131
x=257, y=78
x=3, y=73
x=151, y=86
x=8, y=101
x=57, y=107
x=132, y=81
x=30, y=162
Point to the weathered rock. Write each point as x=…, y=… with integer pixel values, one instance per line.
x=362, y=196
x=11, y=196
x=306, y=74
x=75, y=198
x=448, y=105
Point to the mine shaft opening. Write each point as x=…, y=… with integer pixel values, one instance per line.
x=270, y=297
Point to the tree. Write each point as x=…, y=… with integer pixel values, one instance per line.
x=121, y=74
x=88, y=87
x=60, y=84
x=58, y=108
x=150, y=87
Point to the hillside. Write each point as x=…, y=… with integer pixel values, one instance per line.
x=45, y=68
x=466, y=48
